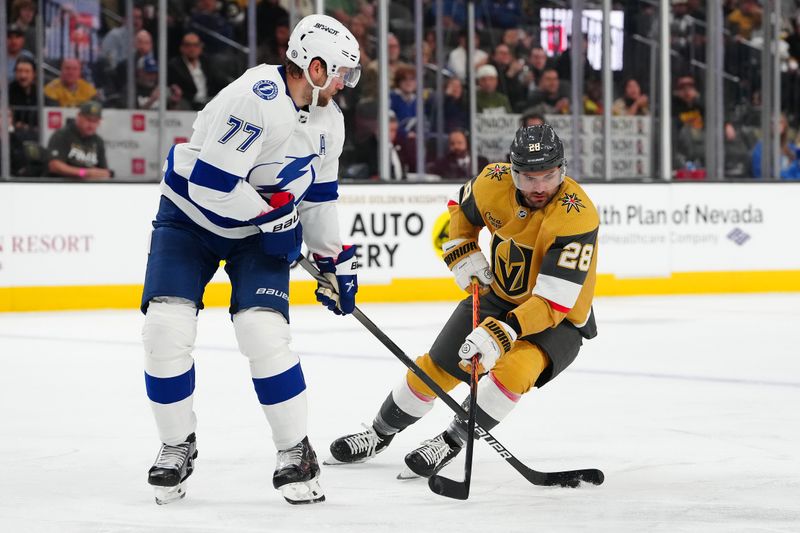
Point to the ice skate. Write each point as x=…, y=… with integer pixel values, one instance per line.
x=297, y=473
x=432, y=456
x=358, y=447
x=173, y=466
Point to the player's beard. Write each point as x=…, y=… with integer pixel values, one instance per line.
x=538, y=201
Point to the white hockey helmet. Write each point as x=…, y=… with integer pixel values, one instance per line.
x=328, y=39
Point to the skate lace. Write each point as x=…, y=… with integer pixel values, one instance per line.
x=434, y=450
x=292, y=456
x=366, y=441
x=172, y=456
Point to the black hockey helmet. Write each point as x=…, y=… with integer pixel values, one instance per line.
x=537, y=148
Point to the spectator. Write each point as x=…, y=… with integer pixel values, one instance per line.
x=23, y=13
x=22, y=98
x=737, y=154
x=487, y=97
x=536, y=64
x=76, y=151
x=403, y=101
x=457, y=59
x=455, y=105
x=268, y=14
x=369, y=149
x=682, y=32
x=359, y=27
x=273, y=51
x=593, y=97
x=146, y=83
x=550, y=96
x=509, y=69
x=531, y=119
x=69, y=89
x=790, y=165
x=206, y=16
x=687, y=109
x=563, y=64
x=746, y=19
x=143, y=48
x=455, y=164
x=515, y=40
x=633, y=102
x=395, y=58
x=116, y=44
x=15, y=48
x=190, y=71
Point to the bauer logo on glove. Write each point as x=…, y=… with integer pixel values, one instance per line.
x=339, y=293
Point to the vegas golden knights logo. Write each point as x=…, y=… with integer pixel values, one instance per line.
x=512, y=265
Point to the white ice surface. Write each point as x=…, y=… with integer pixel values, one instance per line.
x=689, y=404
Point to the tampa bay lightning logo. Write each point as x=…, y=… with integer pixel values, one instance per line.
x=266, y=89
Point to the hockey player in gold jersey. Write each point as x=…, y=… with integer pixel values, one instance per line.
x=536, y=303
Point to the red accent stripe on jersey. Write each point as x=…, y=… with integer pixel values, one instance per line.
x=451, y=202
x=557, y=307
x=419, y=395
x=513, y=396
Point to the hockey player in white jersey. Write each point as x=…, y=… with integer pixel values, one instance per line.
x=256, y=178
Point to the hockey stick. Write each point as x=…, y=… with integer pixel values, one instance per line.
x=440, y=484
x=566, y=478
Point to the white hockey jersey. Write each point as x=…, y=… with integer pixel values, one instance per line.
x=250, y=142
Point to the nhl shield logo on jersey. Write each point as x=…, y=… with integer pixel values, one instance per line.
x=512, y=265
x=571, y=201
x=266, y=89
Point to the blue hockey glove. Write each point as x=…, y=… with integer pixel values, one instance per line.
x=340, y=272
x=281, y=231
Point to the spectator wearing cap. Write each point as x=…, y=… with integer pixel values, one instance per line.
x=190, y=72
x=687, y=108
x=76, y=150
x=487, y=97
x=69, y=89
x=15, y=49
x=146, y=83
x=22, y=98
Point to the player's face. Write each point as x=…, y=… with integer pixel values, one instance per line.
x=538, y=188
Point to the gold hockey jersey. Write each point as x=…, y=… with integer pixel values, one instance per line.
x=543, y=260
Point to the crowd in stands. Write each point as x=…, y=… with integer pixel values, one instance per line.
x=207, y=48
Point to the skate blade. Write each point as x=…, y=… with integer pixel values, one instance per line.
x=333, y=461
x=165, y=495
x=407, y=474
x=303, y=492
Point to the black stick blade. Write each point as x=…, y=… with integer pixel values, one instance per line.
x=458, y=490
